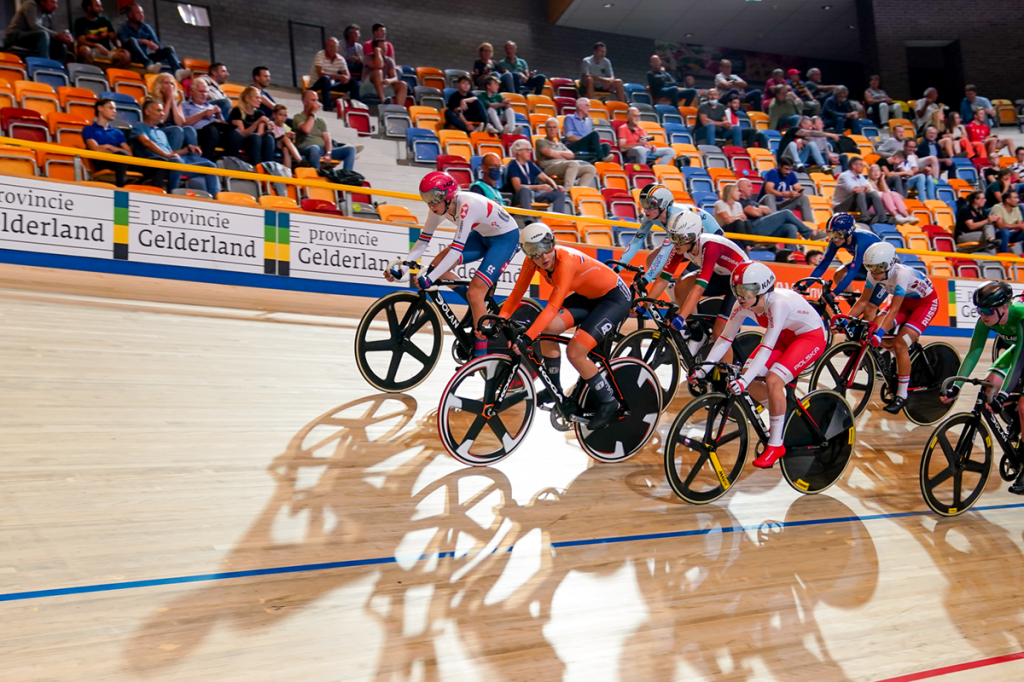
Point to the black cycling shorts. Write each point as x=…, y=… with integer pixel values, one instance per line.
x=596, y=317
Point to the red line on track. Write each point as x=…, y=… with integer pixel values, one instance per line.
x=959, y=667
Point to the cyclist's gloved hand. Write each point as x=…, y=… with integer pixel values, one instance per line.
x=737, y=386
x=876, y=338
x=680, y=324
x=525, y=345
x=423, y=282
x=396, y=271
x=952, y=394
x=841, y=324
x=998, y=400
x=801, y=287
x=697, y=375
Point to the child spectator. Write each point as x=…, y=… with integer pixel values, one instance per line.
x=284, y=136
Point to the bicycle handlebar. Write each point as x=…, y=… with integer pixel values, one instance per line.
x=870, y=326
x=967, y=380
x=625, y=266
x=497, y=323
x=413, y=266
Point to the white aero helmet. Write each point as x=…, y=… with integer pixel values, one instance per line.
x=879, y=258
x=685, y=227
x=752, y=279
x=656, y=196
x=536, y=239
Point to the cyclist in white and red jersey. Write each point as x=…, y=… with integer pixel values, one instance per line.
x=484, y=231
x=794, y=338
x=914, y=305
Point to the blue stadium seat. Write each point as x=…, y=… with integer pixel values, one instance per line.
x=963, y=169
x=677, y=133
x=128, y=109
x=766, y=256
x=668, y=114
x=946, y=194
x=745, y=123
x=48, y=71
x=872, y=133
x=423, y=145
x=637, y=93
x=771, y=138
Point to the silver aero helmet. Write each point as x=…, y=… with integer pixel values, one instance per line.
x=879, y=258
x=655, y=196
x=752, y=279
x=685, y=227
x=536, y=239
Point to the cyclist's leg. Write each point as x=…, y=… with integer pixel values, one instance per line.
x=786, y=363
x=608, y=312
x=574, y=307
x=719, y=286
x=910, y=325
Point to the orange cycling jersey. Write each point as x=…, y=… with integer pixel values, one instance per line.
x=574, y=271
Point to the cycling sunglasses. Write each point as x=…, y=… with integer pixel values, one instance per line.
x=987, y=311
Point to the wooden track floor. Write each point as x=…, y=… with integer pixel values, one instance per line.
x=212, y=492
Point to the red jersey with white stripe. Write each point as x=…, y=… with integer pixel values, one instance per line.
x=715, y=254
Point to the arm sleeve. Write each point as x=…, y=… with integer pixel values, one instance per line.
x=659, y=261
x=728, y=334
x=637, y=242
x=826, y=260
x=855, y=266
x=429, y=225
x=1014, y=376
x=463, y=227
x=878, y=294
x=561, y=286
x=516, y=297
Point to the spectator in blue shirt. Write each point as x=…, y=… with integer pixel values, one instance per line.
x=527, y=181
x=524, y=79
x=100, y=137
x=838, y=112
x=972, y=100
x=153, y=141
x=782, y=190
x=140, y=40
x=579, y=135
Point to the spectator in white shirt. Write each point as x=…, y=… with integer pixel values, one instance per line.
x=729, y=84
x=927, y=110
x=853, y=193
x=329, y=72
x=596, y=74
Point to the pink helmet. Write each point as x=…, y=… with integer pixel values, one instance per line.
x=438, y=186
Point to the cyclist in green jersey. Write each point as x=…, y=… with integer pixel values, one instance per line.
x=1000, y=313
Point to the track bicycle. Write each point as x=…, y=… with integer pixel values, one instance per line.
x=850, y=368
x=488, y=407
x=708, y=443
x=957, y=457
x=403, y=356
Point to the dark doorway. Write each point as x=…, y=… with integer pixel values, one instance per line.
x=936, y=64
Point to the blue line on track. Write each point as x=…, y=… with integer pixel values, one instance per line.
x=303, y=568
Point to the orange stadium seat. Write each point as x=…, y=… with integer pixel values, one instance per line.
x=431, y=77
x=12, y=68
x=541, y=104
x=617, y=110
x=66, y=129
x=128, y=82
x=396, y=214
x=273, y=202
x=77, y=101
x=518, y=103
x=316, y=193
x=38, y=97
x=18, y=161
x=485, y=143
x=237, y=199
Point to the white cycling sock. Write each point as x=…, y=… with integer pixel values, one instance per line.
x=904, y=384
x=776, y=425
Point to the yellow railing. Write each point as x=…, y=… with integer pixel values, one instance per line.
x=323, y=184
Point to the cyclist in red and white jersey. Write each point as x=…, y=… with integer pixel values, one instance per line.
x=794, y=338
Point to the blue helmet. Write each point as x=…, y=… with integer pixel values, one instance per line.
x=840, y=224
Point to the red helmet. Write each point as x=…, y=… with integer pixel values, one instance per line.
x=438, y=186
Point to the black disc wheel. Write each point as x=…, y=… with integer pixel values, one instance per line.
x=817, y=454
x=744, y=345
x=706, y=448
x=636, y=420
x=926, y=376
x=837, y=370
x=398, y=342
x=658, y=352
x=955, y=464
x=474, y=426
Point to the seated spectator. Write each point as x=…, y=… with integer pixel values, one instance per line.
x=880, y=106
x=141, y=41
x=206, y=118
x=973, y=224
x=766, y=223
x=893, y=143
x=727, y=83
x=1002, y=182
x=782, y=190
x=558, y=161
x=465, y=111
x=778, y=78
x=979, y=134
x=892, y=201
x=96, y=39
x=580, y=136
x=524, y=80
x=928, y=165
x=217, y=77
x=285, y=137
x=1007, y=220
x=485, y=67
x=732, y=115
x=784, y=108
x=730, y=214
x=931, y=152
x=352, y=51
x=812, y=107
x=712, y=123
x=853, y=193
x=155, y=145
x=813, y=84
x=914, y=177
x=260, y=83
x=663, y=85
x=839, y=114
x=490, y=175
x=991, y=170
x=927, y=110
x=821, y=140
x=31, y=29
x=381, y=77
x=528, y=183
x=378, y=32
x=637, y=146
x=501, y=116
x=101, y=137
x=597, y=75
x=784, y=256
x=312, y=140
x=164, y=89
x=690, y=83
x=329, y=72
x=954, y=138
x=800, y=144
x=813, y=257
x=1018, y=167
x=254, y=127
x=972, y=102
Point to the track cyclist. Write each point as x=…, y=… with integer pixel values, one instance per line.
x=998, y=312
x=794, y=338
x=585, y=294
x=484, y=231
x=843, y=233
x=914, y=305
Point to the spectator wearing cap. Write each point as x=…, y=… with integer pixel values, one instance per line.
x=528, y=183
x=465, y=111
x=812, y=107
x=784, y=108
x=778, y=79
x=972, y=101
x=597, y=75
x=352, y=51
x=329, y=72
x=100, y=136
x=712, y=123
x=579, y=135
x=663, y=85
x=839, y=114
x=141, y=41
x=31, y=29
x=485, y=67
x=880, y=106
x=523, y=78
x=557, y=160
x=490, y=177
x=727, y=83
x=637, y=146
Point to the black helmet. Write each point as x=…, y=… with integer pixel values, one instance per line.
x=656, y=196
x=992, y=295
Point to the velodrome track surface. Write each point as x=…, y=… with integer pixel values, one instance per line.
x=196, y=483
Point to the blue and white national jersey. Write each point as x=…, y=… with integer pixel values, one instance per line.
x=900, y=281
